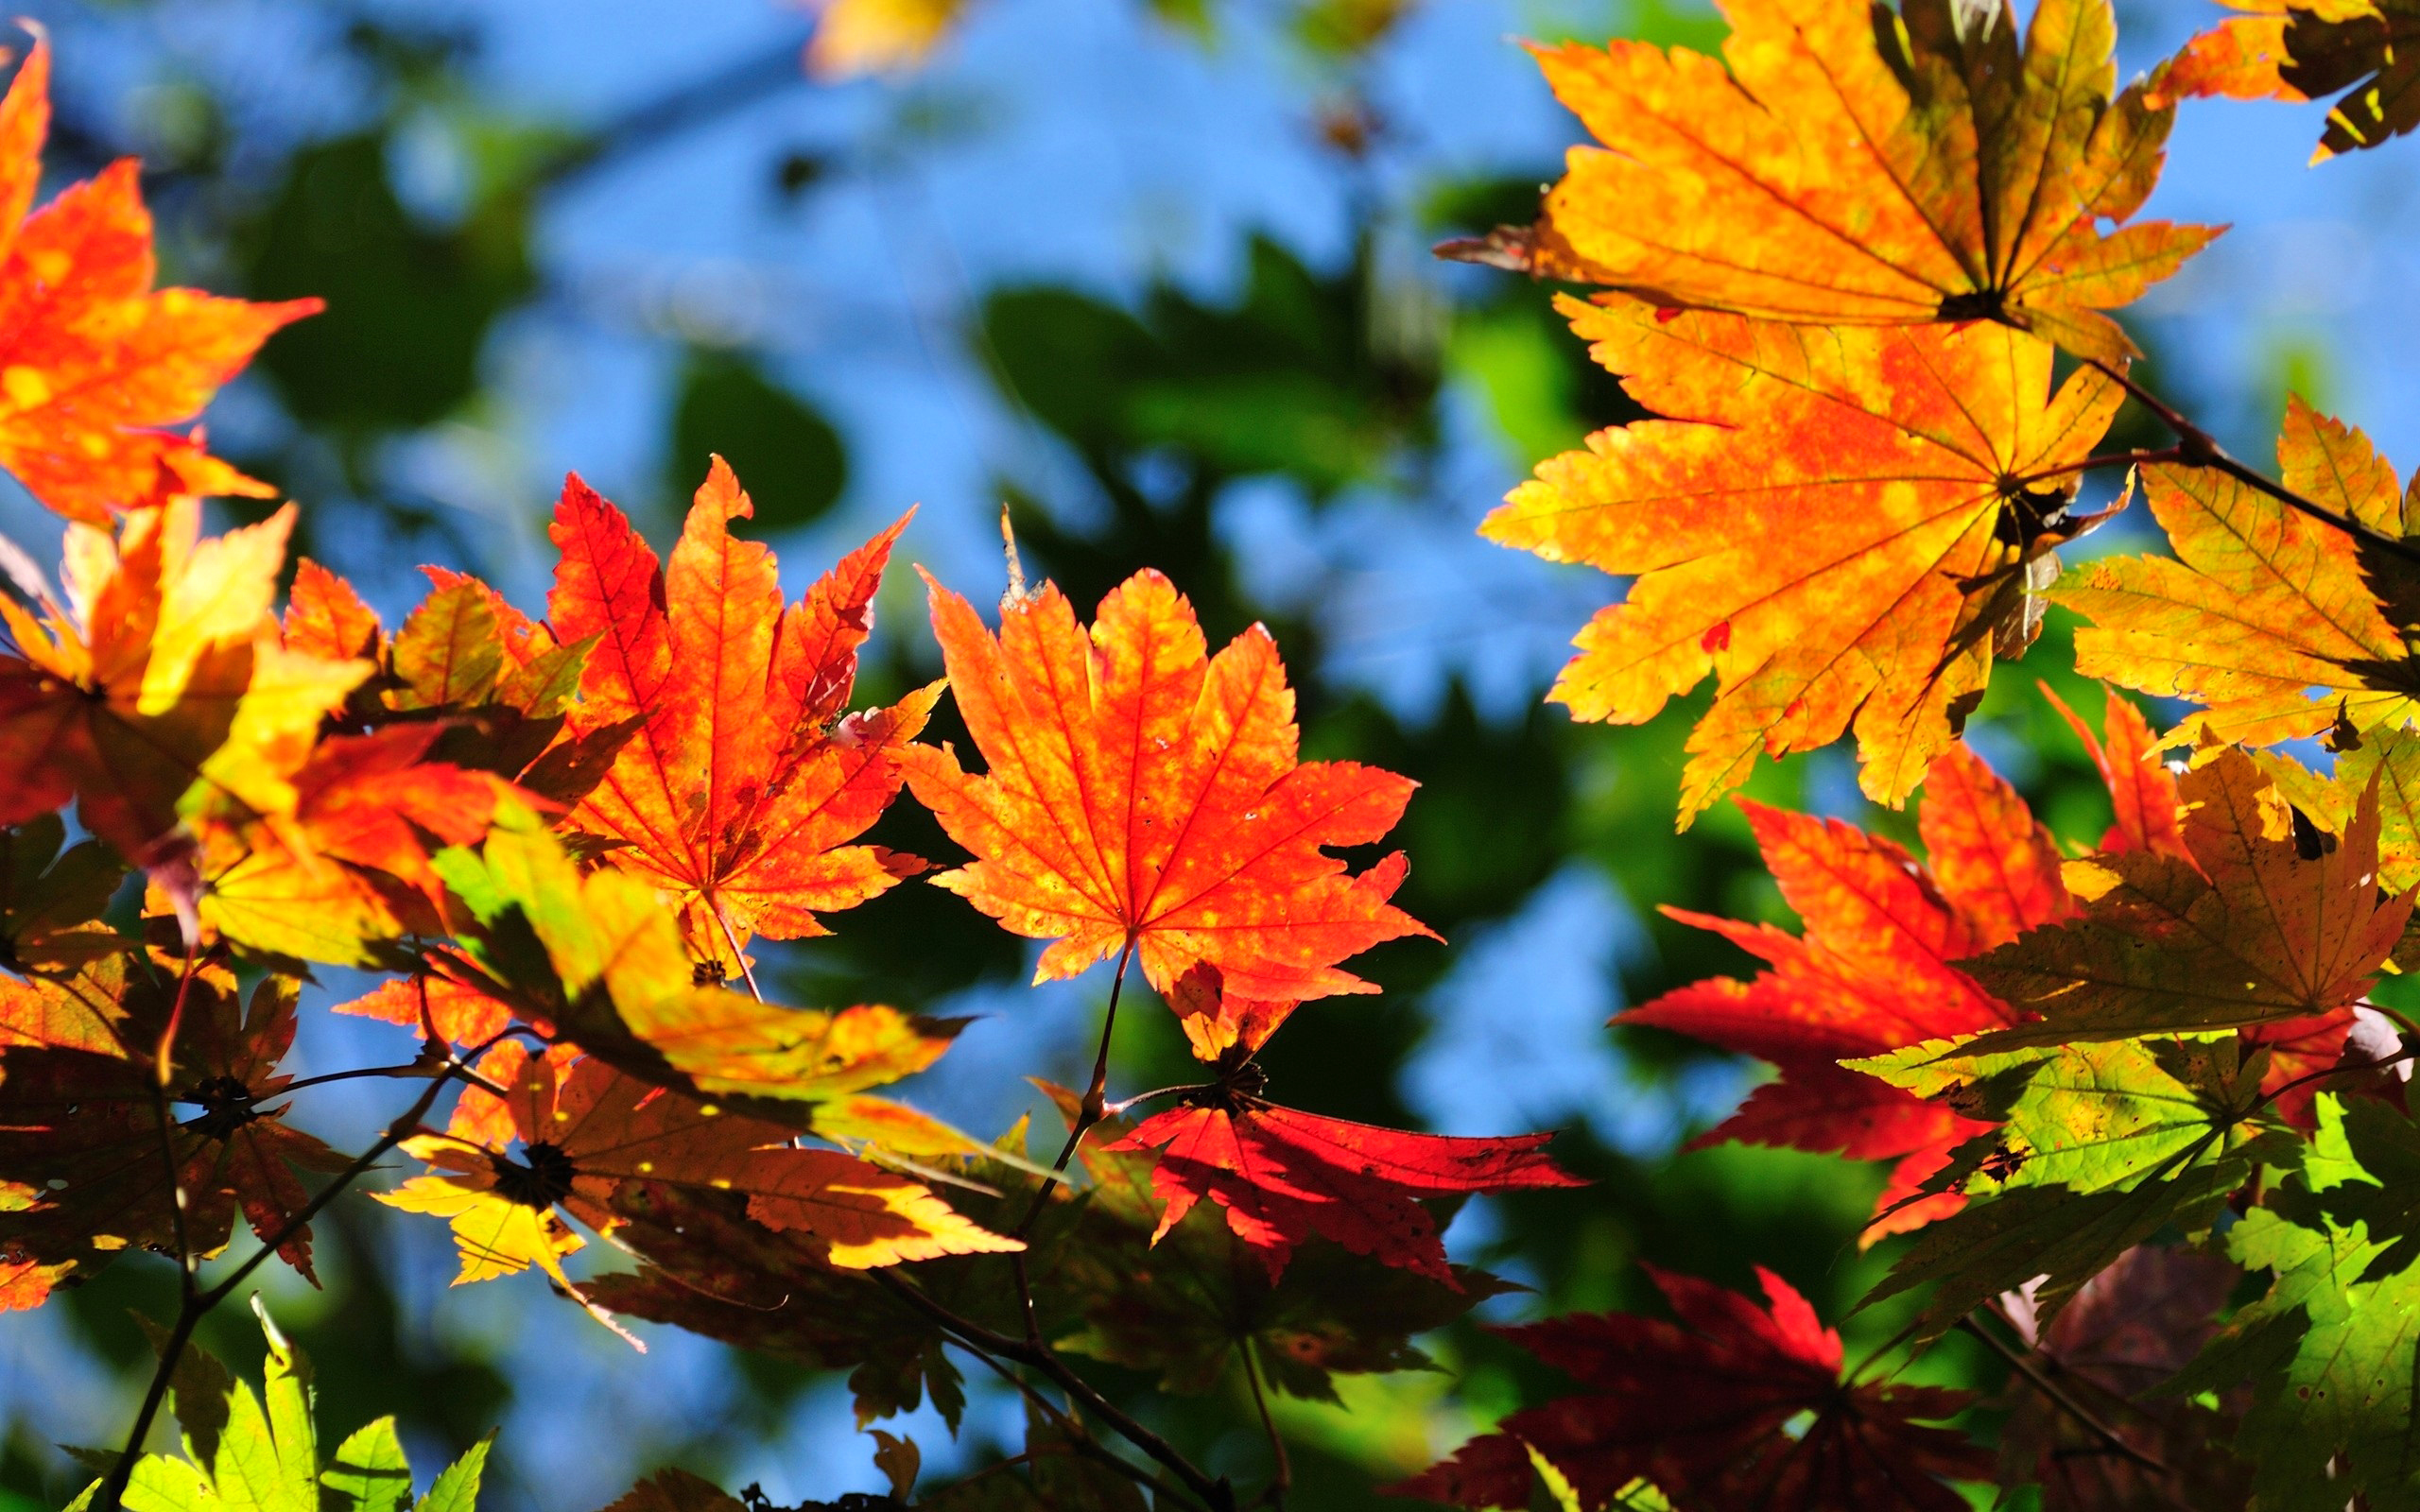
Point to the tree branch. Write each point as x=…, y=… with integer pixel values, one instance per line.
x=1216, y=1493
x=196, y=1305
x=2061, y=1398
x=2199, y=448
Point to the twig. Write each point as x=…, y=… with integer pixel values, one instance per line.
x=410, y=1068
x=2324, y=1072
x=1214, y=1492
x=1078, y=1436
x=2199, y=448
x=2137, y=456
x=1281, y=1477
x=196, y=1305
x=2060, y=1396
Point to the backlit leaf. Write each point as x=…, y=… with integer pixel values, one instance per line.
x=746, y=784
x=1842, y=526
x=95, y=356
x=1854, y=167
x=1141, y=794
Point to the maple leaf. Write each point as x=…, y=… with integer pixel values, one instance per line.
x=1843, y=171
x=599, y=960
x=2242, y=932
x=1876, y=970
x=2128, y=1331
x=2278, y=625
x=582, y=1128
x=2086, y=1117
x=2329, y=1350
x=2386, y=760
x=497, y=681
x=2359, y=50
x=160, y=684
x=52, y=894
x=2142, y=790
x=743, y=785
x=1284, y=1175
x=1845, y=530
x=350, y=864
x=712, y=1270
x=1698, y=1407
x=460, y=1013
x=95, y=354
x=79, y=1127
x=1181, y=1302
x=1144, y=795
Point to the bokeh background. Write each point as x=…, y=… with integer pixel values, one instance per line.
x=1158, y=279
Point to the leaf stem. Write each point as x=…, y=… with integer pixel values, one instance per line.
x=162, y=1073
x=747, y=973
x=2061, y=1397
x=1281, y=1478
x=2199, y=448
x=1092, y=1110
x=413, y=1068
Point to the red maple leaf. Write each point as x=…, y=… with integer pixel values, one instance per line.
x=1699, y=1408
x=1875, y=971
x=1284, y=1175
x=744, y=784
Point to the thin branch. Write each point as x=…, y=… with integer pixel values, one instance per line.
x=2137, y=456
x=1281, y=1478
x=1214, y=1492
x=1885, y=1347
x=196, y=1305
x=2325, y=1072
x=2199, y=448
x=1078, y=1438
x=410, y=1068
x=2061, y=1397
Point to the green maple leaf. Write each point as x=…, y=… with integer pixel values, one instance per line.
x=2084, y=1117
x=2330, y=1349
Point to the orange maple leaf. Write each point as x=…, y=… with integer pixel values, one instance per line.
x=2277, y=625
x=1819, y=178
x=2244, y=931
x=2297, y=50
x=160, y=684
x=1143, y=795
x=1844, y=530
x=95, y=356
x=572, y=1129
x=349, y=863
x=744, y=784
